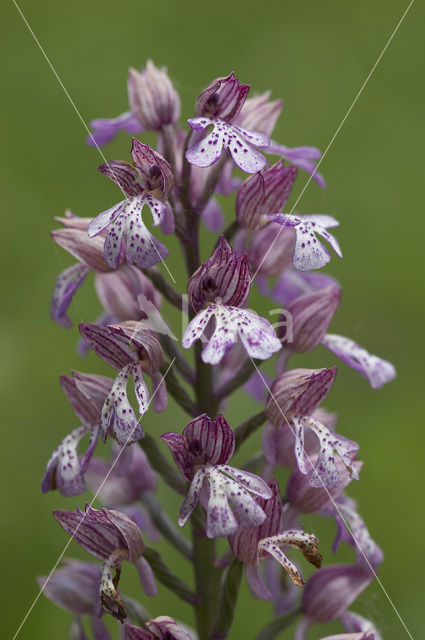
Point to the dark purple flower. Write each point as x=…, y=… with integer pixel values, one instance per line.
x=113, y=537
x=132, y=349
x=309, y=252
x=224, y=275
x=223, y=98
x=293, y=398
x=264, y=193
x=153, y=100
x=202, y=453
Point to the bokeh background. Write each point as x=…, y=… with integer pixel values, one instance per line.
x=315, y=56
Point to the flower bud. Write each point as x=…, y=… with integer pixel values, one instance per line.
x=223, y=98
x=298, y=391
x=224, y=275
x=73, y=587
x=271, y=250
x=311, y=315
x=260, y=114
x=88, y=251
x=119, y=293
x=331, y=590
x=308, y=499
x=152, y=97
x=264, y=193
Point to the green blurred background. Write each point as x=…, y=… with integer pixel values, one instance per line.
x=315, y=56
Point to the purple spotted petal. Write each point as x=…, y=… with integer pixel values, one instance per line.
x=376, y=370
x=65, y=469
x=118, y=417
x=257, y=139
x=105, y=129
x=207, y=151
x=325, y=471
x=256, y=334
x=191, y=498
x=105, y=218
x=221, y=521
x=309, y=252
x=142, y=249
x=250, y=481
x=225, y=135
x=66, y=285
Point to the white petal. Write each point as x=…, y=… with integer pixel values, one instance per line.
x=192, y=497
x=197, y=326
x=250, y=481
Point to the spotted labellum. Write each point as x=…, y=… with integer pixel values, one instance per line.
x=171, y=350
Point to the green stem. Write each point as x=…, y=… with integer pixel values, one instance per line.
x=273, y=629
x=247, y=428
x=161, y=464
x=228, y=600
x=230, y=231
x=173, y=296
x=168, y=578
x=164, y=525
x=180, y=361
x=179, y=394
x=242, y=376
x=207, y=580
